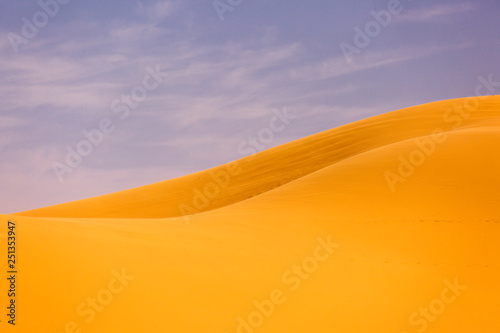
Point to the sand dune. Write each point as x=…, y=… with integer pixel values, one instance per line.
x=389, y=224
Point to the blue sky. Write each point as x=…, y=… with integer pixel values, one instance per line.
x=218, y=82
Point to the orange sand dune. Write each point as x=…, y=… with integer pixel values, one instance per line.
x=389, y=224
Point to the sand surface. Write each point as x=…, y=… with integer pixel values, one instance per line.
x=389, y=224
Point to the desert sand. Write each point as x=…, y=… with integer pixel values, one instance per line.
x=388, y=224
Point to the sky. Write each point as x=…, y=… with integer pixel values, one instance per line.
x=102, y=96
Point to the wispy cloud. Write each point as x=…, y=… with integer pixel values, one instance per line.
x=156, y=11
x=11, y=121
x=336, y=66
x=435, y=12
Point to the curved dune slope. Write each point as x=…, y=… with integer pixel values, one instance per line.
x=264, y=171
x=389, y=224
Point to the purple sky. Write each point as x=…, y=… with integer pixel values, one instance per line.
x=221, y=73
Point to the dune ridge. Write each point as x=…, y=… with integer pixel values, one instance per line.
x=253, y=175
